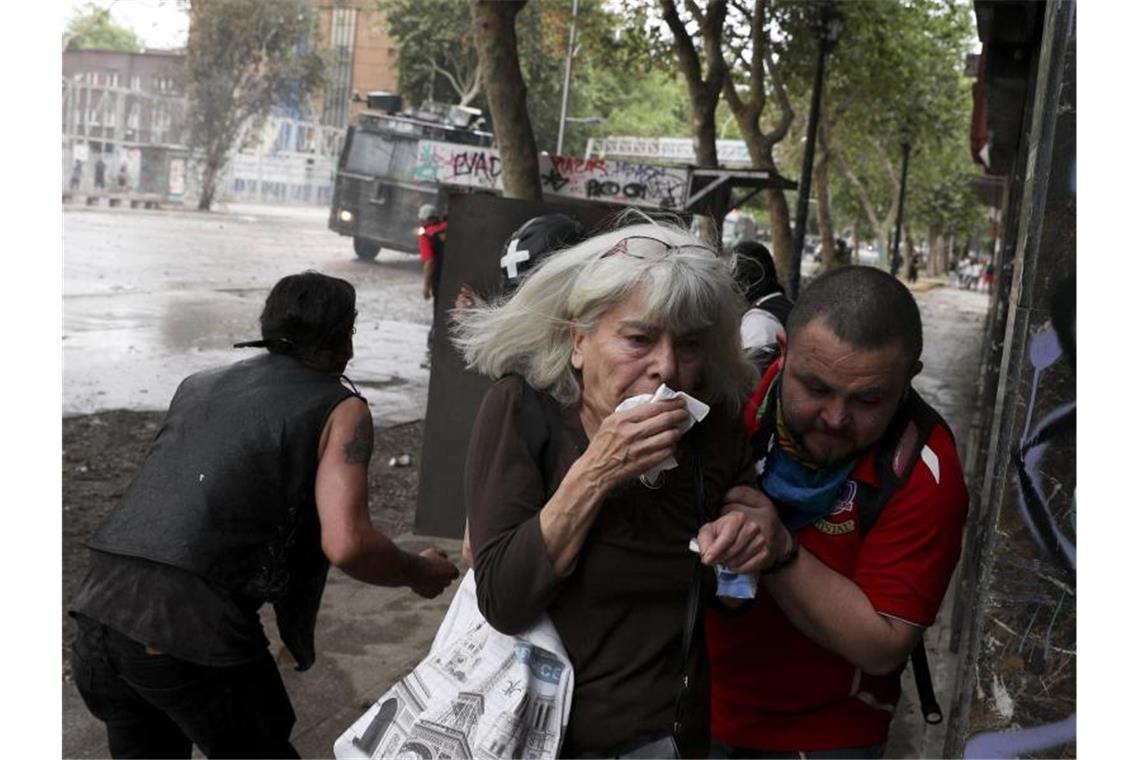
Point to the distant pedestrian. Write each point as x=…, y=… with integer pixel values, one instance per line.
x=431, y=238
x=988, y=276
x=76, y=174
x=122, y=178
x=762, y=326
x=100, y=174
x=842, y=252
x=912, y=268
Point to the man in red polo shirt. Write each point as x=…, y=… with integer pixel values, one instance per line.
x=811, y=668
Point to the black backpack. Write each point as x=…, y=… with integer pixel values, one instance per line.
x=902, y=446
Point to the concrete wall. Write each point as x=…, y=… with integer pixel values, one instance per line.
x=1016, y=615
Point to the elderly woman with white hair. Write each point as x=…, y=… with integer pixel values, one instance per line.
x=569, y=510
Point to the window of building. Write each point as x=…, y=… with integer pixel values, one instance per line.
x=113, y=80
x=342, y=37
x=136, y=82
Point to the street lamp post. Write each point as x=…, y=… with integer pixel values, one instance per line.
x=566, y=78
x=830, y=26
x=896, y=261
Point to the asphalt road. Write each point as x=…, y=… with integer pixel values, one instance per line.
x=152, y=296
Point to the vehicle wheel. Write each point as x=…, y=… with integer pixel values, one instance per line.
x=366, y=250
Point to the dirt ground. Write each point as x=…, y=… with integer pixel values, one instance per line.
x=101, y=453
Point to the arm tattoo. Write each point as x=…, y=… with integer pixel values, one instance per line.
x=359, y=449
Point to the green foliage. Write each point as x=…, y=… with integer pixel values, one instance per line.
x=610, y=74
x=92, y=29
x=244, y=57
x=896, y=73
x=436, y=57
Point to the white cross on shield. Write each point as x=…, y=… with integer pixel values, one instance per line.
x=512, y=258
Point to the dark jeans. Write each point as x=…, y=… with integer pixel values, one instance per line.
x=155, y=705
x=721, y=750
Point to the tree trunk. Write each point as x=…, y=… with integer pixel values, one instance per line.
x=704, y=93
x=780, y=217
x=822, y=179
x=823, y=212
x=497, y=47
x=208, y=185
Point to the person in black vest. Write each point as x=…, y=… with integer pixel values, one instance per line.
x=755, y=274
x=256, y=481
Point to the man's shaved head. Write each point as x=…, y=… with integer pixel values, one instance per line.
x=865, y=308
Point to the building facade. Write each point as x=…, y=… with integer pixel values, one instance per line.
x=362, y=57
x=124, y=110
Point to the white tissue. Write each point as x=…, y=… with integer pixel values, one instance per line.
x=697, y=412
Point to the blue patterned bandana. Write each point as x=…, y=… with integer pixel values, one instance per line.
x=803, y=494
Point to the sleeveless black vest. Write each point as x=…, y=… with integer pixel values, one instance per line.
x=227, y=489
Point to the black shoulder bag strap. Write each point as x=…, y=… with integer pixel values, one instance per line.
x=902, y=446
x=692, y=613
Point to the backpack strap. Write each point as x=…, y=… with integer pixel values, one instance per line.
x=899, y=452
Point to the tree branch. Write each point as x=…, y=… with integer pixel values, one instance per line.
x=686, y=52
x=475, y=87
x=695, y=10
x=860, y=191
x=437, y=69
x=786, y=112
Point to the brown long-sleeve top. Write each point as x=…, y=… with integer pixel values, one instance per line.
x=620, y=611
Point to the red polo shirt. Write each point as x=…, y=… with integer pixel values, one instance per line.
x=773, y=688
x=427, y=238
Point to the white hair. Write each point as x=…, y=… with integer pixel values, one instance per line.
x=687, y=288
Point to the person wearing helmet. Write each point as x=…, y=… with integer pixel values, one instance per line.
x=432, y=235
x=532, y=242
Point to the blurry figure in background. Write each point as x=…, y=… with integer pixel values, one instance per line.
x=988, y=277
x=432, y=237
x=763, y=324
x=842, y=252
x=526, y=247
x=973, y=274
x=100, y=174
x=912, y=268
x=123, y=179
x=76, y=174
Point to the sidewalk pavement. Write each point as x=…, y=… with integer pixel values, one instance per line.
x=953, y=333
x=368, y=637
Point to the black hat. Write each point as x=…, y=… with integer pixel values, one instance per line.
x=534, y=241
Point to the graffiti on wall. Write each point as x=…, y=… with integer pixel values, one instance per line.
x=1040, y=492
x=611, y=181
